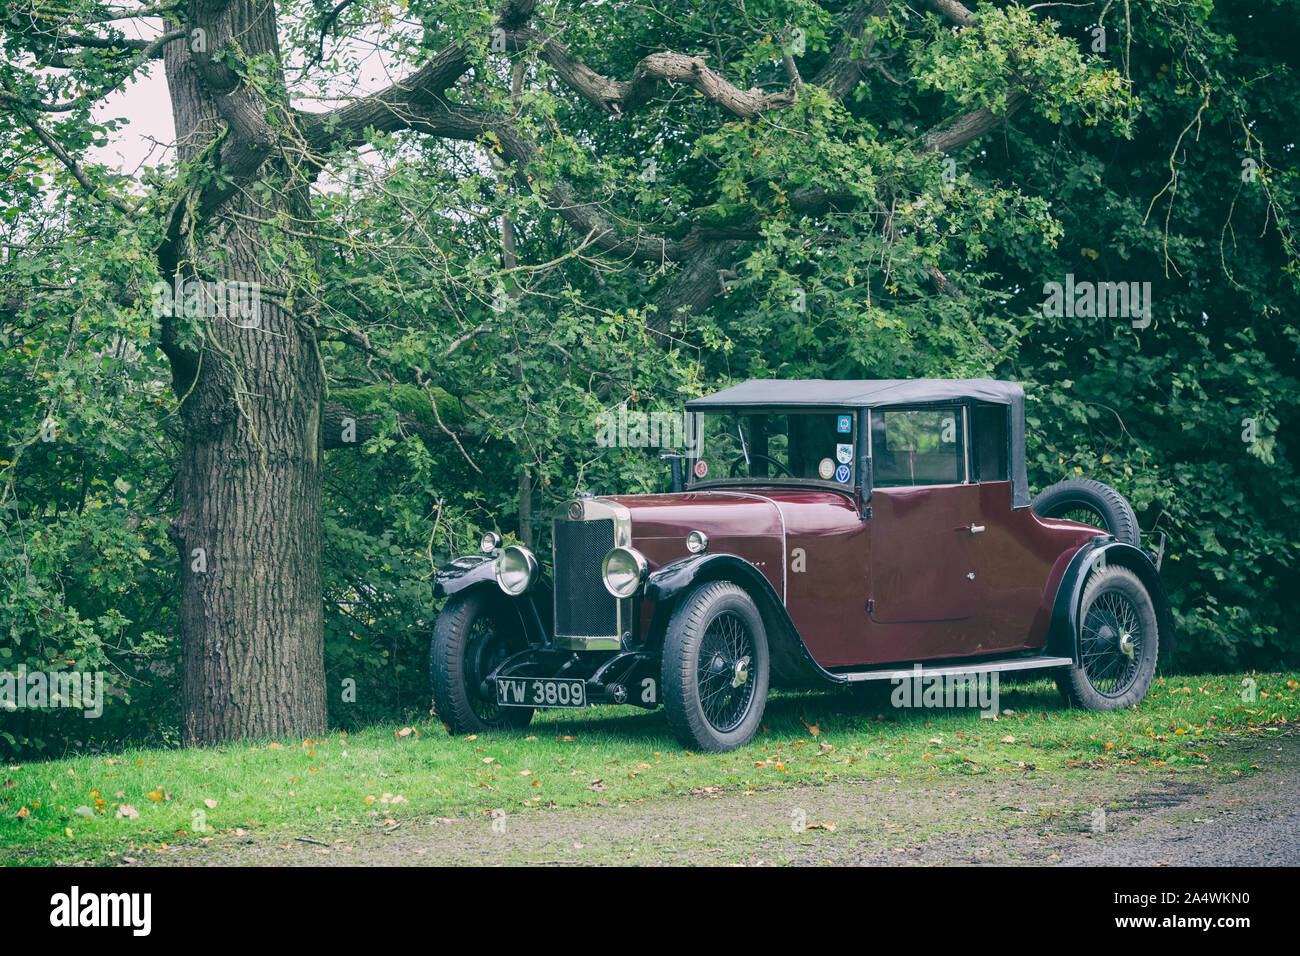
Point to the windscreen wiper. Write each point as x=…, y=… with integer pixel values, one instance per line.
x=743, y=447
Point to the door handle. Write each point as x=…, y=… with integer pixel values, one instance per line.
x=975, y=528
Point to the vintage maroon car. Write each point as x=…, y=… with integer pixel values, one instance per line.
x=830, y=532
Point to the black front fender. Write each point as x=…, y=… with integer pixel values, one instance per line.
x=478, y=570
x=1062, y=640
x=791, y=660
x=463, y=572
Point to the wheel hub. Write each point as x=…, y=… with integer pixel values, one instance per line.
x=740, y=671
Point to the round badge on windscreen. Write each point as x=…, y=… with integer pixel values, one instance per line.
x=701, y=468
x=842, y=474
x=826, y=468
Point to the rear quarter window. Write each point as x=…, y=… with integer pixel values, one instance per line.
x=918, y=446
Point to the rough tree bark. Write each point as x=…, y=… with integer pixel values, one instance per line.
x=248, y=488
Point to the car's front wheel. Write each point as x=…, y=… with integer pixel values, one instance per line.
x=475, y=632
x=1118, y=643
x=715, y=668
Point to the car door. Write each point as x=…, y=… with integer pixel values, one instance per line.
x=926, y=596
x=1014, y=557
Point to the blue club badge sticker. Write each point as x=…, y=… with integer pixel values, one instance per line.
x=844, y=424
x=844, y=454
x=842, y=474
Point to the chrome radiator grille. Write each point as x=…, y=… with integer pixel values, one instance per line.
x=583, y=608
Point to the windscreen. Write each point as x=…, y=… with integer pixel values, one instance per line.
x=754, y=446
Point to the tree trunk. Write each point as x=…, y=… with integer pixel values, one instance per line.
x=248, y=522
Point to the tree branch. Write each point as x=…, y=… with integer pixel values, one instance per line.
x=960, y=130
x=616, y=96
x=699, y=281
x=79, y=174
x=952, y=10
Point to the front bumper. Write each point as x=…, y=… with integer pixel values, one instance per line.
x=623, y=677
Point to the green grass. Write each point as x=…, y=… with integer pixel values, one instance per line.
x=379, y=777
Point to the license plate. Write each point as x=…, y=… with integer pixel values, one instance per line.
x=540, y=692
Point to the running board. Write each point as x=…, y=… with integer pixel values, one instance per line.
x=897, y=673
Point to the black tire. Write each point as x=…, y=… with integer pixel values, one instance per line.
x=1115, y=611
x=711, y=631
x=475, y=631
x=1090, y=502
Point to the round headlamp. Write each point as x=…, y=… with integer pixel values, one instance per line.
x=623, y=570
x=491, y=541
x=697, y=542
x=516, y=570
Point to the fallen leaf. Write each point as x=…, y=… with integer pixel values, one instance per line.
x=127, y=811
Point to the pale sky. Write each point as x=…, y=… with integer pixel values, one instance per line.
x=146, y=104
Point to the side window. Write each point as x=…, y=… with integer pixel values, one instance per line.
x=918, y=446
x=988, y=437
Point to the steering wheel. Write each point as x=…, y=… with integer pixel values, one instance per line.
x=735, y=469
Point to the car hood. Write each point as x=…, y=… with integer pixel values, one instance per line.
x=723, y=513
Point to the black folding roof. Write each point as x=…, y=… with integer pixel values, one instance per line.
x=870, y=393
x=857, y=394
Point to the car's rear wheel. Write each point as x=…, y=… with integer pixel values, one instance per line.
x=1090, y=502
x=475, y=632
x=715, y=668
x=1118, y=643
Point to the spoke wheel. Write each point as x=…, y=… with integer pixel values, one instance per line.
x=1110, y=642
x=726, y=657
x=476, y=631
x=1091, y=503
x=488, y=644
x=715, y=668
x=1118, y=643
x=1083, y=513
